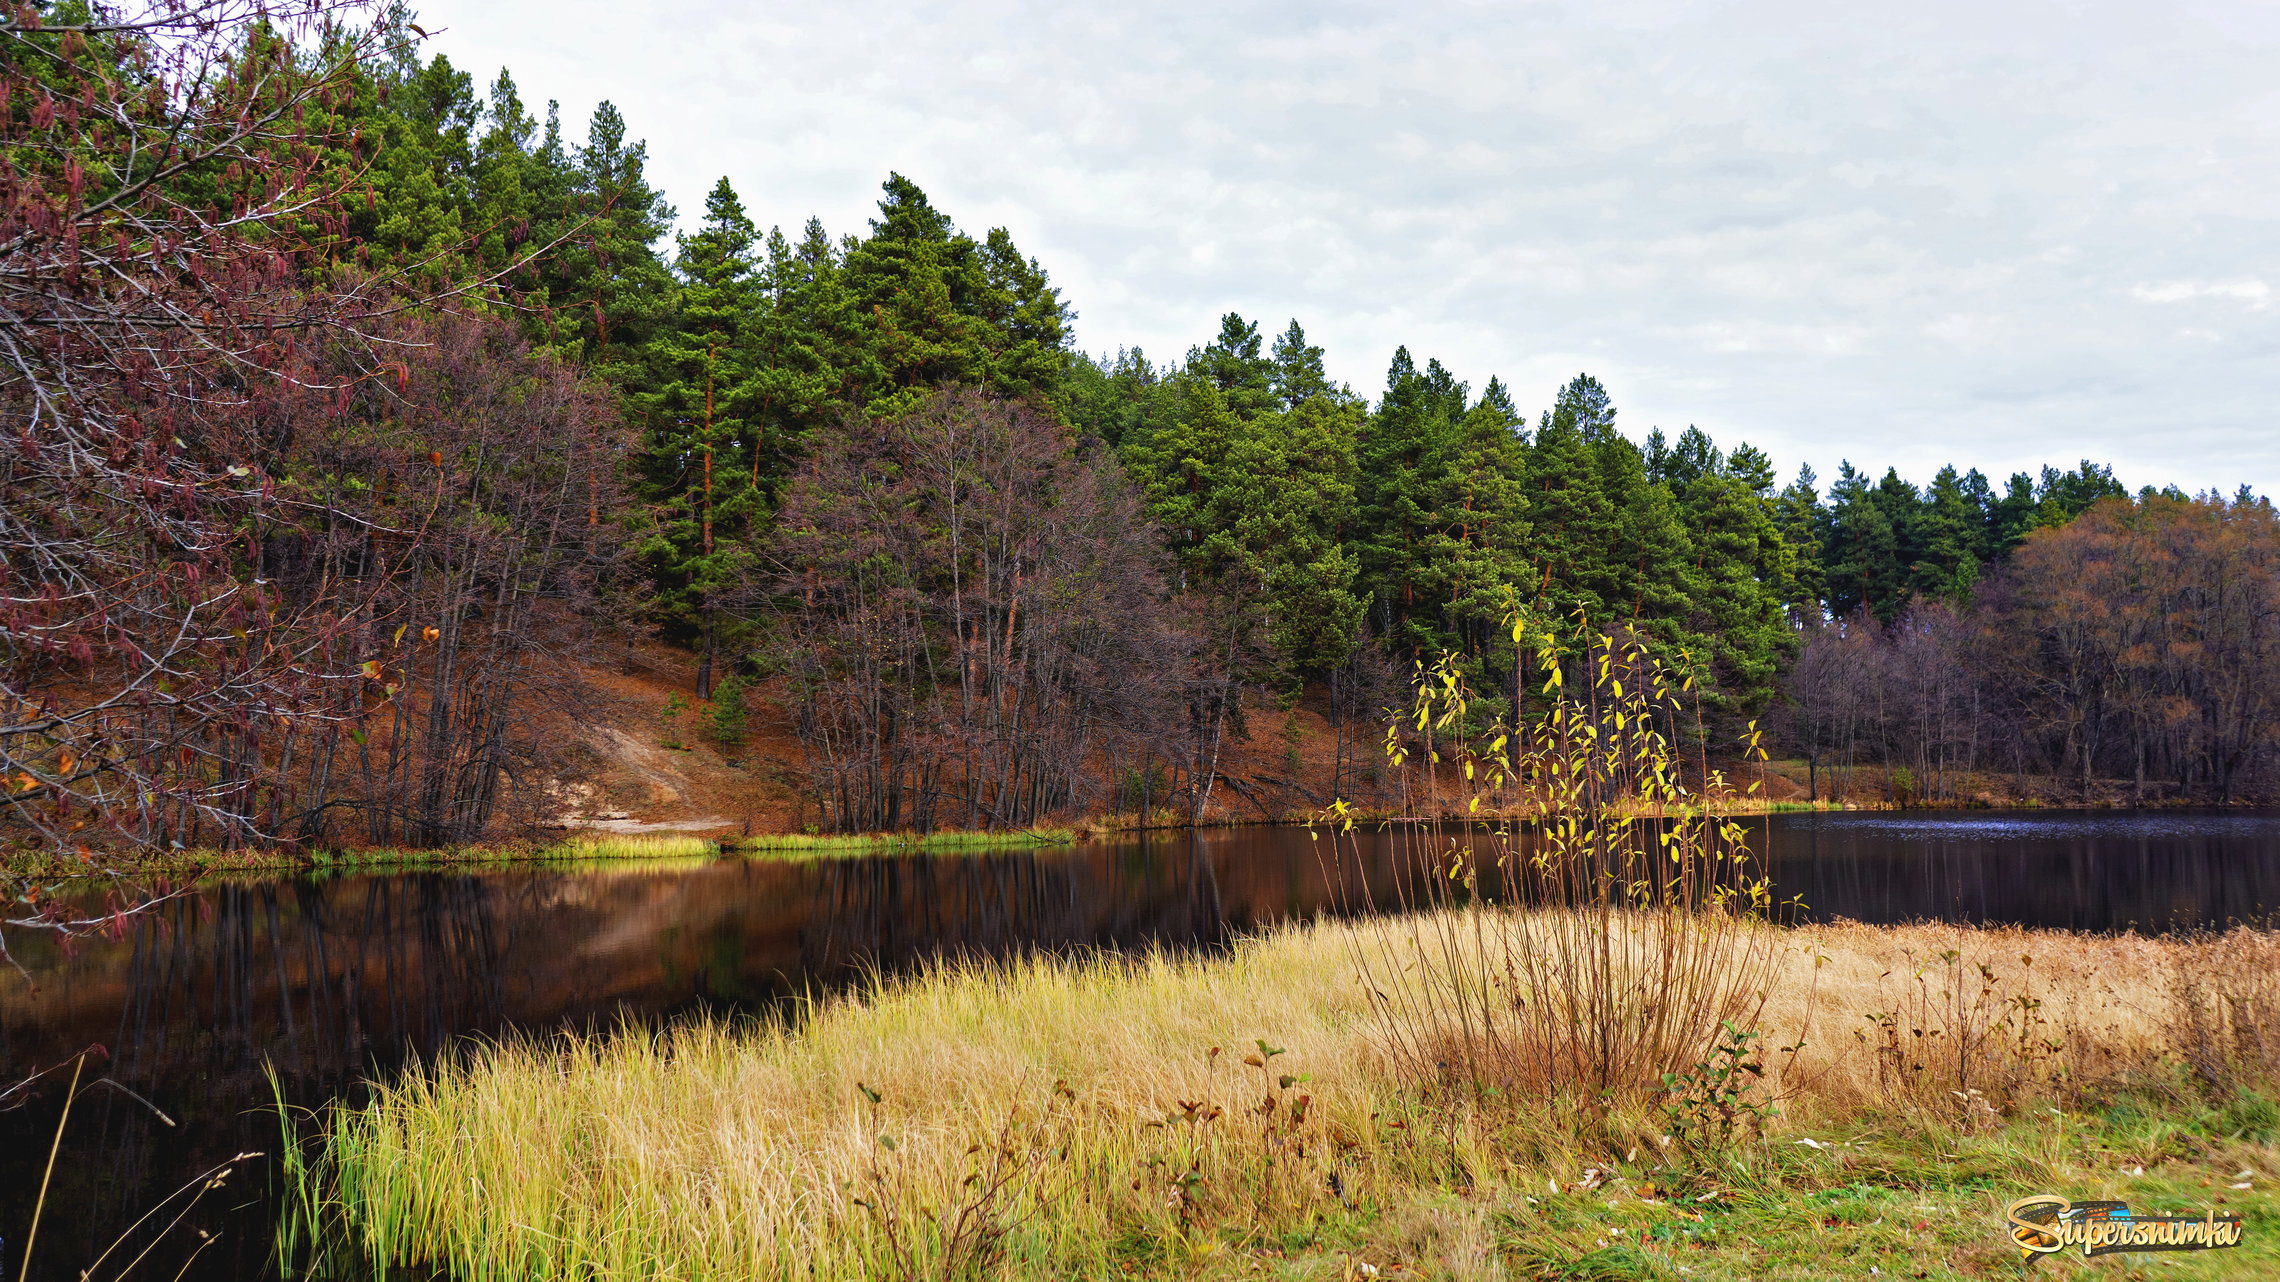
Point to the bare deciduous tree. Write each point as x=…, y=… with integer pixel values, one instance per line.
x=972, y=618
x=2140, y=641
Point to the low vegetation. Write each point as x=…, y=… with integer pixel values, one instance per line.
x=585, y=848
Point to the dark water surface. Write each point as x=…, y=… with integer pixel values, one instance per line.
x=329, y=981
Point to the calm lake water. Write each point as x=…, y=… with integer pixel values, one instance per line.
x=330, y=980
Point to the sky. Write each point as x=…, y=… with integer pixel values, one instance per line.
x=1997, y=234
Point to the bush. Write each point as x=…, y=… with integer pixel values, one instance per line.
x=1583, y=957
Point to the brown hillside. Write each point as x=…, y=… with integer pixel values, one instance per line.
x=632, y=780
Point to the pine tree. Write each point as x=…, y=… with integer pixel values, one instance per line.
x=1481, y=533
x=615, y=291
x=927, y=305
x=1284, y=489
x=1612, y=541
x=797, y=334
x=1802, y=520
x=1232, y=363
x=1120, y=399
x=1179, y=466
x=1649, y=569
x=1028, y=322
x=1946, y=564
x=1863, y=550
x=1742, y=565
x=421, y=171
x=1298, y=373
x=699, y=409
x=1404, y=455
x=2011, y=517
x=2062, y=496
x=518, y=202
x=1578, y=525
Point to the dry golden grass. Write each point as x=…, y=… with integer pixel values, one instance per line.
x=1088, y=1094
x=1924, y=1015
x=733, y=1153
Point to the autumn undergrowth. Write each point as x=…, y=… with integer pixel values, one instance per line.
x=1133, y=820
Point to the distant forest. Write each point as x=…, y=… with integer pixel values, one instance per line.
x=441, y=396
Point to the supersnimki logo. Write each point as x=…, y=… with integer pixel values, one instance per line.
x=2045, y=1224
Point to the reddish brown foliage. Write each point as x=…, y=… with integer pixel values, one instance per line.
x=2139, y=642
x=228, y=486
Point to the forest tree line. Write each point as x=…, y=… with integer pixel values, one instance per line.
x=436, y=399
x=1306, y=533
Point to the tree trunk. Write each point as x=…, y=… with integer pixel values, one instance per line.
x=705, y=663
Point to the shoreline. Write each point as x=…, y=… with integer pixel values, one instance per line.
x=678, y=844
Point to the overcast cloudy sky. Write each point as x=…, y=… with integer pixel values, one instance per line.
x=2000, y=234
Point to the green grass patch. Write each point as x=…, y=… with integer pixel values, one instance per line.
x=597, y=848
x=796, y=845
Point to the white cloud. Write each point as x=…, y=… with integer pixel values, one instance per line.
x=1907, y=234
x=2253, y=292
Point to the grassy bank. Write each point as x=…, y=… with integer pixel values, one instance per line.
x=796, y=845
x=1240, y=1114
x=190, y=864
x=677, y=848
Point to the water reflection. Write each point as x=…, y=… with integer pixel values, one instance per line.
x=2080, y=870
x=330, y=980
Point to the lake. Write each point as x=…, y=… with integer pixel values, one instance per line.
x=327, y=980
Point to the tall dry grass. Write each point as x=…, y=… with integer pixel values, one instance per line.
x=1117, y=1094
x=1966, y=1025
x=1112, y=1104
